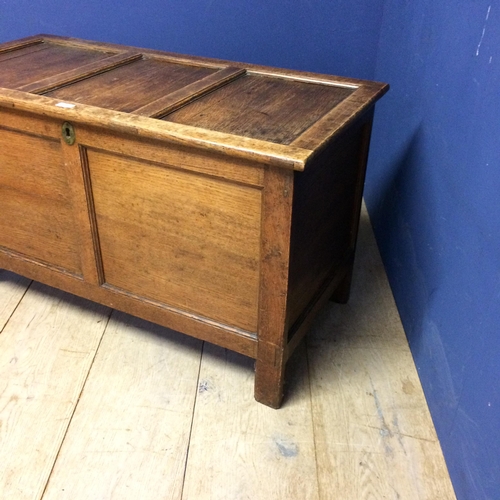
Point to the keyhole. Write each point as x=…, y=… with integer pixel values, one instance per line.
x=68, y=133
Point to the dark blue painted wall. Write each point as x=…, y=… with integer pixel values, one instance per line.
x=434, y=196
x=434, y=176
x=337, y=37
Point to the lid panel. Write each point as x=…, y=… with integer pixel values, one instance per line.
x=133, y=85
x=22, y=51
x=261, y=107
x=37, y=62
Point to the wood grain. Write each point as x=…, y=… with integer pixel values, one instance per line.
x=12, y=289
x=189, y=93
x=183, y=240
x=242, y=450
x=37, y=215
x=34, y=66
x=274, y=271
x=324, y=200
x=335, y=80
x=130, y=433
x=180, y=157
x=77, y=175
x=15, y=45
x=197, y=139
x=275, y=110
x=343, y=290
x=131, y=86
x=339, y=118
x=197, y=326
x=30, y=123
x=46, y=350
x=19, y=50
x=370, y=431
x=81, y=72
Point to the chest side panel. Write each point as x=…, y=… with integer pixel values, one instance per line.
x=327, y=198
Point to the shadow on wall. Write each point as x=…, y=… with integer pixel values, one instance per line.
x=438, y=262
x=407, y=220
x=406, y=206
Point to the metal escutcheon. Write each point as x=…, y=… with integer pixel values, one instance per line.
x=68, y=133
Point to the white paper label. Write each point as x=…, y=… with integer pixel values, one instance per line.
x=66, y=105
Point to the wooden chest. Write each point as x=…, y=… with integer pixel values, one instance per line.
x=218, y=199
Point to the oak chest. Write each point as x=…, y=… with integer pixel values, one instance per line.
x=218, y=199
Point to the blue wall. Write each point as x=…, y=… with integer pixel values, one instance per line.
x=434, y=197
x=337, y=37
x=434, y=176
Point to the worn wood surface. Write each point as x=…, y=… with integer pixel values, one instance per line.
x=322, y=223
x=132, y=85
x=275, y=249
x=197, y=139
x=355, y=424
x=35, y=203
x=10, y=51
x=175, y=100
x=81, y=72
x=374, y=435
x=275, y=110
x=12, y=289
x=42, y=64
x=281, y=107
x=46, y=351
x=242, y=450
x=181, y=157
x=83, y=213
x=130, y=433
x=183, y=240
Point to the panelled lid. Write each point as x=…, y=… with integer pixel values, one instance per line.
x=131, y=86
x=23, y=66
x=257, y=112
x=262, y=107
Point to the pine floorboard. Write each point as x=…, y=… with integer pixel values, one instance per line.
x=46, y=350
x=130, y=432
x=99, y=405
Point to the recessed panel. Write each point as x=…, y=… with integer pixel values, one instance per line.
x=36, y=213
x=261, y=107
x=131, y=86
x=178, y=238
x=31, y=64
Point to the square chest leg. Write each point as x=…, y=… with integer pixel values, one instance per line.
x=274, y=272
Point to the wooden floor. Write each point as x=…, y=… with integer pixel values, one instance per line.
x=95, y=404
